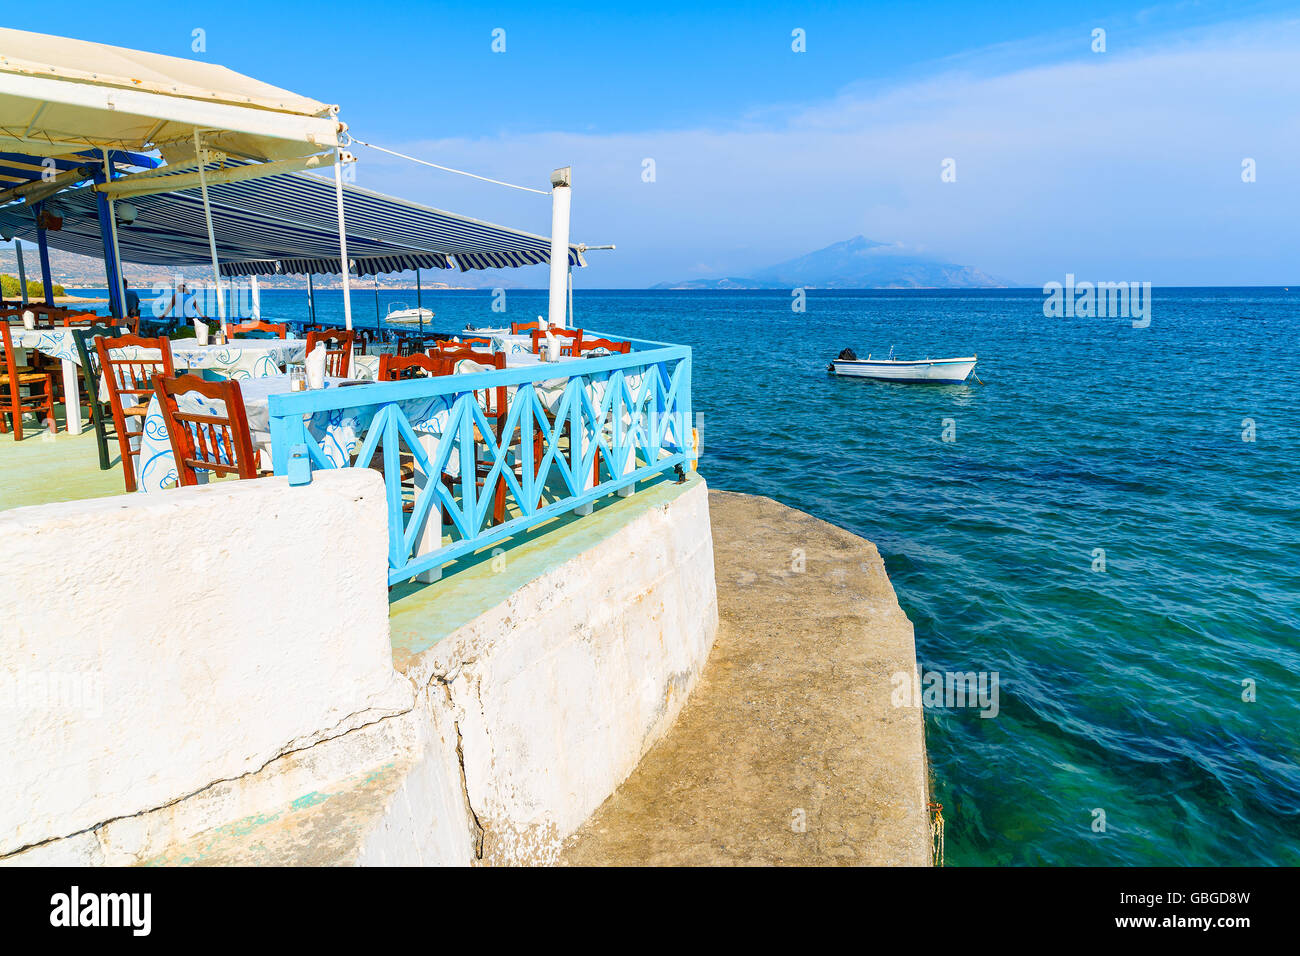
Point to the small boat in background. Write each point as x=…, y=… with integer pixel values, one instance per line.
x=947, y=371
x=400, y=312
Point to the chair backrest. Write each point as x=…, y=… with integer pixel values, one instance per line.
x=590, y=345
x=466, y=343
x=72, y=320
x=8, y=361
x=41, y=313
x=88, y=354
x=208, y=427
x=257, y=328
x=491, y=400
x=394, y=368
x=338, y=350
x=517, y=327
x=130, y=378
x=574, y=337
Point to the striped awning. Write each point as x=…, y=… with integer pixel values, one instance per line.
x=289, y=224
x=380, y=265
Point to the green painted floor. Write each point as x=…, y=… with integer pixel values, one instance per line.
x=45, y=468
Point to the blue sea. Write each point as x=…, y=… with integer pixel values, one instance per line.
x=1175, y=450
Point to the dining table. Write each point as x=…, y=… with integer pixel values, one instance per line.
x=57, y=343
x=339, y=431
x=239, y=359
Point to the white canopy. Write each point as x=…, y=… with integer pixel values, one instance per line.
x=59, y=95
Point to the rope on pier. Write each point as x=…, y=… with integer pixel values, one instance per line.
x=448, y=169
x=936, y=833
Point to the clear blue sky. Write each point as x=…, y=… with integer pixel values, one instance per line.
x=1122, y=165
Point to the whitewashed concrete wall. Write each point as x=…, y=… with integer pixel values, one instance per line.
x=153, y=645
x=560, y=690
x=492, y=747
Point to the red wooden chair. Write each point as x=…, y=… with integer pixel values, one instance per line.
x=590, y=345
x=207, y=440
x=574, y=337
x=280, y=331
x=395, y=368
x=338, y=350
x=518, y=327
x=445, y=345
x=13, y=379
x=130, y=386
x=493, y=401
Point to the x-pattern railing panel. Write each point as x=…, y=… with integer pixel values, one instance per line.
x=630, y=413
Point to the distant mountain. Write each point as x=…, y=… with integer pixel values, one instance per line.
x=856, y=263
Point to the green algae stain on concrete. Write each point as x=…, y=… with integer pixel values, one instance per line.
x=309, y=800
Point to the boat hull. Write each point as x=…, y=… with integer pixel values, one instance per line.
x=923, y=372
x=409, y=315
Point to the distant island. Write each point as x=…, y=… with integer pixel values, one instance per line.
x=857, y=263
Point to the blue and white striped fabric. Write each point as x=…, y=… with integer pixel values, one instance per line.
x=290, y=219
x=366, y=267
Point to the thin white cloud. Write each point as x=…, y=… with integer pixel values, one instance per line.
x=1116, y=166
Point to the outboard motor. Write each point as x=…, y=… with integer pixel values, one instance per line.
x=847, y=355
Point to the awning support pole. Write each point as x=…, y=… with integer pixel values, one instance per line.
x=419, y=300
x=571, y=322
x=560, y=196
x=212, y=241
x=256, y=291
x=119, y=284
x=43, y=247
x=22, y=271
x=311, y=300
x=343, y=240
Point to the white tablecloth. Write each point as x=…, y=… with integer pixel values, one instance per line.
x=56, y=343
x=338, y=431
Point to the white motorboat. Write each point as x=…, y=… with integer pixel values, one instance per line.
x=930, y=371
x=401, y=313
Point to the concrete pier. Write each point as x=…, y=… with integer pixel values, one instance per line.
x=790, y=750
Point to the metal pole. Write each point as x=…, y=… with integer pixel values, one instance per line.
x=256, y=291
x=571, y=324
x=212, y=241
x=311, y=300
x=419, y=302
x=117, y=254
x=343, y=239
x=22, y=271
x=560, y=196
x=43, y=247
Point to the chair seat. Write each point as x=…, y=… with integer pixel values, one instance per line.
x=25, y=378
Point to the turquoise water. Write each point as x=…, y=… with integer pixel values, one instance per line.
x=1121, y=689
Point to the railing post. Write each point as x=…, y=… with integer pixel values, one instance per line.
x=287, y=431
x=685, y=433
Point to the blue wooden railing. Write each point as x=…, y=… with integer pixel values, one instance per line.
x=628, y=415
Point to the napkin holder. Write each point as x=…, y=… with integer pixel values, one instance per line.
x=315, y=365
x=29, y=320
x=201, y=332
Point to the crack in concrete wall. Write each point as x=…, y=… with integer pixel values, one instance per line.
x=317, y=740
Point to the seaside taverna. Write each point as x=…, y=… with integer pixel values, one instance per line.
x=301, y=593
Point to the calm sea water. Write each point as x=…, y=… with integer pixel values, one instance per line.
x=1120, y=690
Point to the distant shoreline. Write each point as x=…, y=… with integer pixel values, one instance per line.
x=981, y=290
